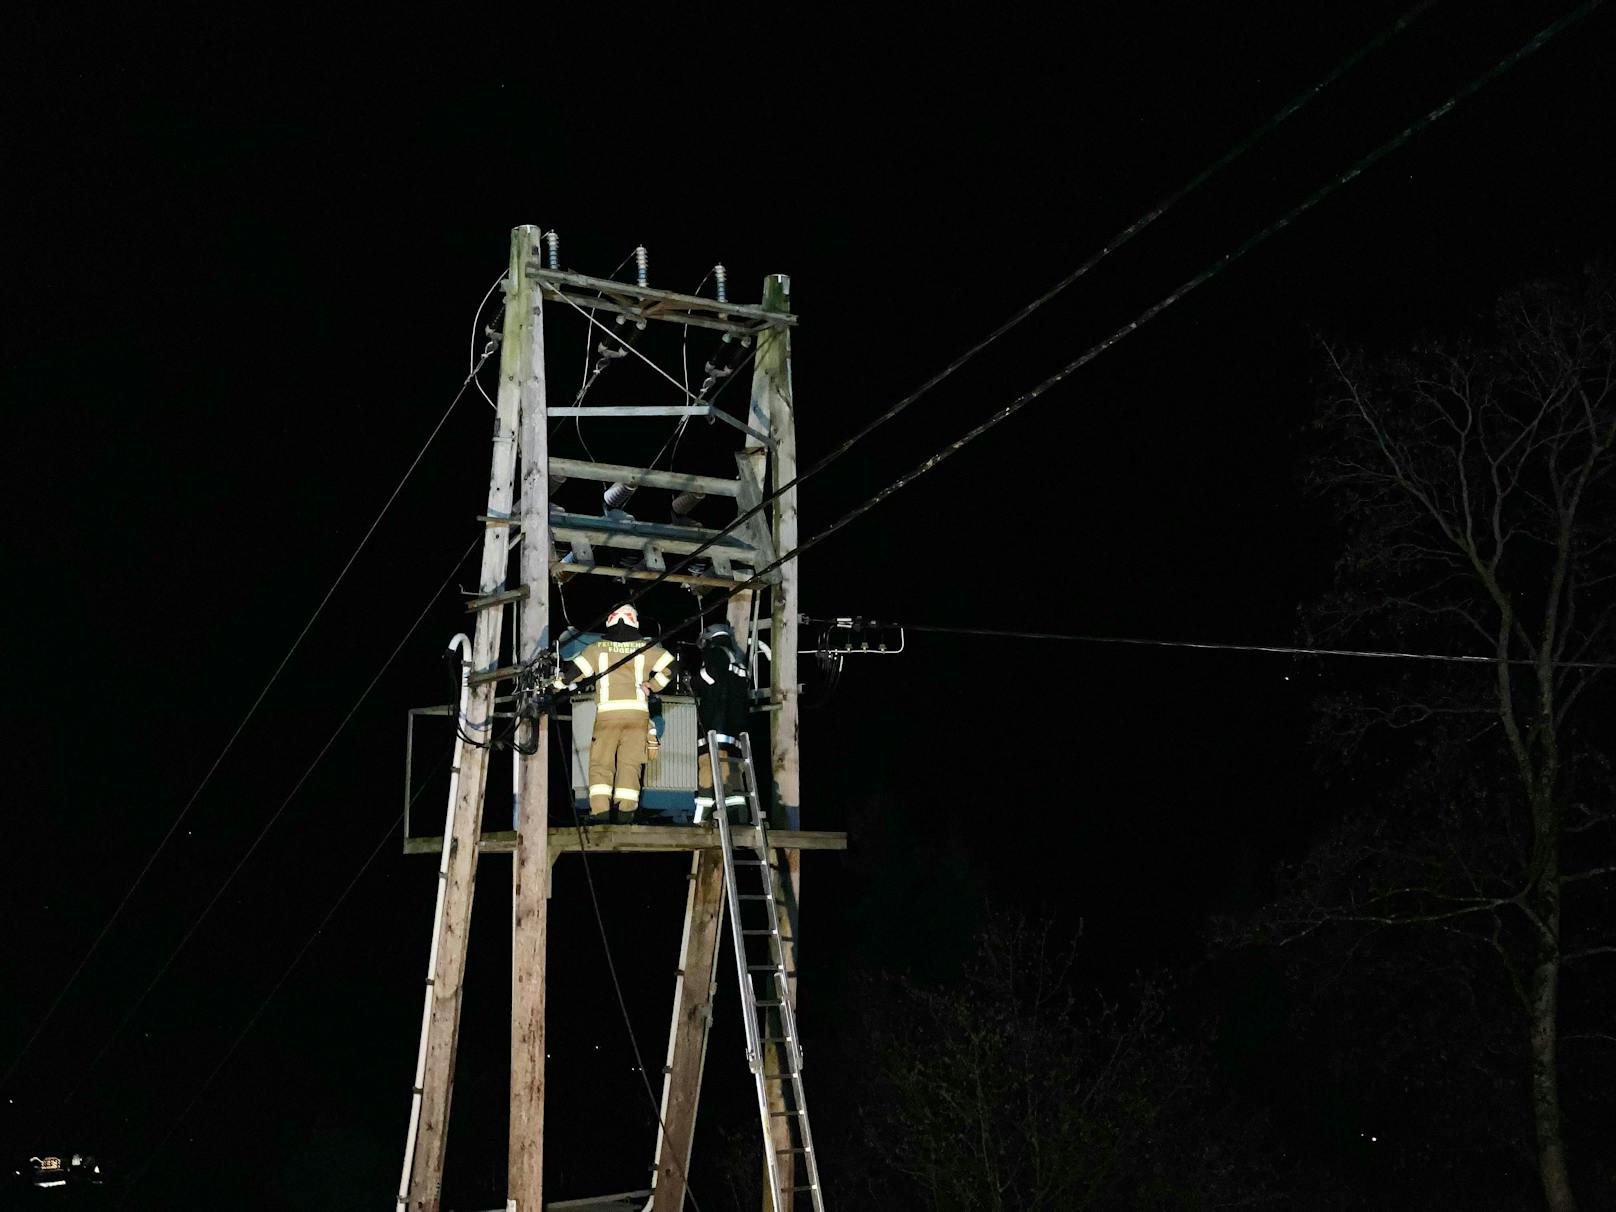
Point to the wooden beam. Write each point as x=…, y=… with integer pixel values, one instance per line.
x=634, y=839
x=625, y=307
x=530, y=872
x=636, y=477
x=631, y=536
x=448, y=977
x=560, y=569
x=693, y=991
x=772, y=405
x=651, y=294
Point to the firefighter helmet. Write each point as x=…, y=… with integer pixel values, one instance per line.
x=624, y=614
x=720, y=633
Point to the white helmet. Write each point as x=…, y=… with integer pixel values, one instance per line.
x=624, y=614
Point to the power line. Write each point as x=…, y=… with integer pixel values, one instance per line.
x=263, y=1005
x=1210, y=271
x=241, y=726
x=471, y=349
x=1121, y=238
x=270, y=823
x=1277, y=649
x=622, y=1005
x=587, y=380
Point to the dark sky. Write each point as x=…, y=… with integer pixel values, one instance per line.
x=243, y=260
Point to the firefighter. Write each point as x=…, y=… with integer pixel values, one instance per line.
x=723, y=703
x=626, y=672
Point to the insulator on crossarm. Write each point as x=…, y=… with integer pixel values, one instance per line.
x=552, y=249
x=721, y=279
x=684, y=503
x=616, y=495
x=642, y=265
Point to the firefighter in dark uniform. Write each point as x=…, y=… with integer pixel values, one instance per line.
x=723, y=703
x=626, y=673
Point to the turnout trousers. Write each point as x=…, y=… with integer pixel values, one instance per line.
x=617, y=755
x=729, y=779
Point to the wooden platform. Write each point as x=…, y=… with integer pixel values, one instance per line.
x=635, y=839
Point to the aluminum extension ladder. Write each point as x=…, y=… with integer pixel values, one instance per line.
x=760, y=965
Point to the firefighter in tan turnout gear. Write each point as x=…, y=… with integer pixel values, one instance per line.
x=625, y=672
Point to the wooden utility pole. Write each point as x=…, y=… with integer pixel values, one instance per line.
x=443, y=1028
x=531, y=866
x=520, y=432
x=772, y=411
x=771, y=389
x=694, y=987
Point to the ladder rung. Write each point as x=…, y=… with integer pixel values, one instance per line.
x=782, y=1152
x=770, y=1003
x=754, y=896
x=775, y=968
x=784, y=1114
x=810, y=1187
x=775, y=932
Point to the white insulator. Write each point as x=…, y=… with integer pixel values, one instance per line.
x=552, y=249
x=642, y=263
x=721, y=278
x=616, y=495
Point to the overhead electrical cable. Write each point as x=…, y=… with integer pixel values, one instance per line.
x=627, y=346
x=471, y=352
x=1537, y=42
x=1260, y=132
x=1216, y=267
x=243, y=722
x=308, y=943
x=622, y=1005
x=1211, y=646
x=587, y=380
x=263, y=832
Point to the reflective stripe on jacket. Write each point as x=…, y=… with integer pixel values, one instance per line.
x=620, y=689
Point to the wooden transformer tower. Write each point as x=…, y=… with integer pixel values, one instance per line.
x=529, y=529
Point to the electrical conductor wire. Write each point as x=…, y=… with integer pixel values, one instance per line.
x=269, y=824
x=241, y=725
x=471, y=351
x=1212, y=646
x=622, y=1005
x=1238, y=149
x=151, y=1154
x=1533, y=44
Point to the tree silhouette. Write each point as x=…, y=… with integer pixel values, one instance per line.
x=1476, y=480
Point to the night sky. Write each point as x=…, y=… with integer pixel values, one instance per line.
x=243, y=259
